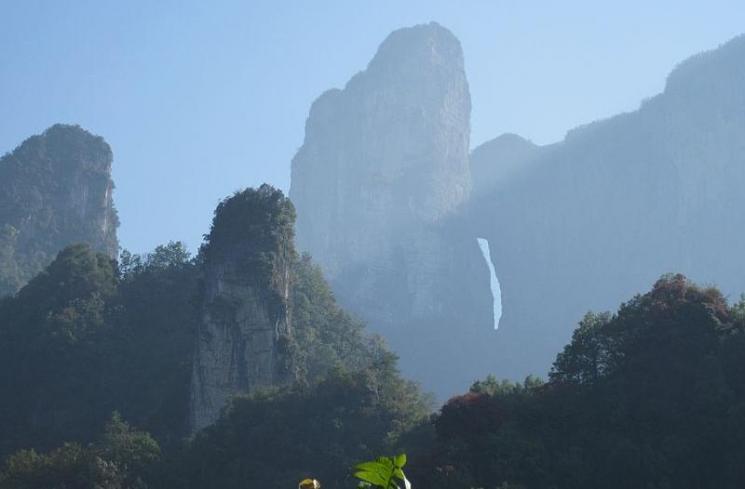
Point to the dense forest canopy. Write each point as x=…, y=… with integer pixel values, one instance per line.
x=651, y=394
x=87, y=337
x=90, y=336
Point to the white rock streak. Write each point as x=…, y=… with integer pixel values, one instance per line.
x=496, y=291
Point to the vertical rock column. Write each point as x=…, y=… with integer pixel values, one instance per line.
x=386, y=158
x=378, y=184
x=384, y=161
x=246, y=324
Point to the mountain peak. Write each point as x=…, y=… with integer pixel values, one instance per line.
x=55, y=190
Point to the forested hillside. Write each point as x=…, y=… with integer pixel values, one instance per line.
x=649, y=396
x=91, y=336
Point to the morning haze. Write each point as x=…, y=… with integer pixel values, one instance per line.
x=214, y=97
x=385, y=245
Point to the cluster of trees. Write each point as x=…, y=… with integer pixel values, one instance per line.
x=87, y=337
x=91, y=336
x=276, y=438
x=120, y=458
x=651, y=396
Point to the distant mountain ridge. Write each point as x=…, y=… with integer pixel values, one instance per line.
x=592, y=219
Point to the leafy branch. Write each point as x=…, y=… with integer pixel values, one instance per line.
x=384, y=473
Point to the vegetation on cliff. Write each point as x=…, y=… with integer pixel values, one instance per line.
x=275, y=438
x=268, y=317
x=55, y=190
x=90, y=336
x=260, y=221
x=245, y=325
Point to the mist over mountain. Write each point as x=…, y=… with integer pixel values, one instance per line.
x=388, y=152
x=249, y=363
x=577, y=225
x=383, y=169
x=55, y=190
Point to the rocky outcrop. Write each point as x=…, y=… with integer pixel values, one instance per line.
x=245, y=320
x=598, y=217
x=383, y=169
x=500, y=161
x=387, y=152
x=55, y=190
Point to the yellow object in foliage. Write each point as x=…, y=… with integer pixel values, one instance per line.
x=309, y=484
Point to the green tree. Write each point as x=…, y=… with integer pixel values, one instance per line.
x=650, y=396
x=50, y=356
x=120, y=459
x=324, y=335
x=273, y=439
x=585, y=359
x=153, y=339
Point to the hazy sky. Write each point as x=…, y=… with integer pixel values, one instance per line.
x=201, y=98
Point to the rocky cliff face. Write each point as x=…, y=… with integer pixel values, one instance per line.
x=246, y=322
x=386, y=207
x=383, y=168
x=55, y=190
x=387, y=152
x=598, y=217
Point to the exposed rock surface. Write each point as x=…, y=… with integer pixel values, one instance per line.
x=387, y=152
x=55, y=190
x=598, y=217
x=383, y=168
x=246, y=323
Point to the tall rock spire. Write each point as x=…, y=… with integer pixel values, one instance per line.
x=55, y=190
x=383, y=167
x=245, y=325
x=387, y=152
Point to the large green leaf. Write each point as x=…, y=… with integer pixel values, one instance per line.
x=374, y=478
x=383, y=472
